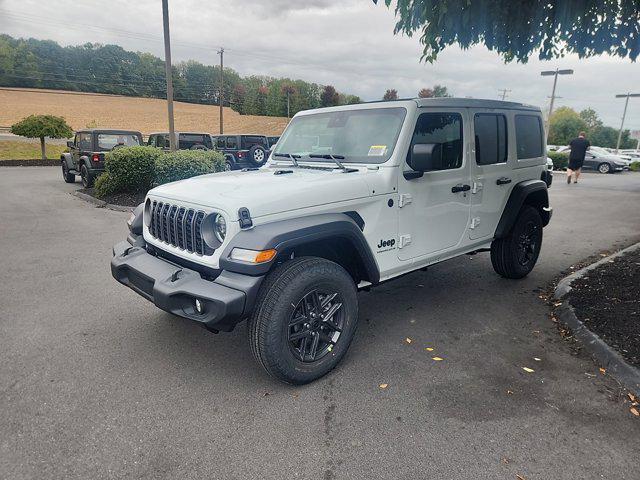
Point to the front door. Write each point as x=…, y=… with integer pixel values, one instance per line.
x=491, y=171
x=434, y=209
x=75, y=152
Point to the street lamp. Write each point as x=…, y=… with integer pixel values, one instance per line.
x=624, y=114
x=555, y=73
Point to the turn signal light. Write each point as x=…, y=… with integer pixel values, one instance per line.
x=253, y=256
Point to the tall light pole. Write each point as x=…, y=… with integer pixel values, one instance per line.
x=168, y=74
x=555, y=73
x=624, y=114
x=221, y=93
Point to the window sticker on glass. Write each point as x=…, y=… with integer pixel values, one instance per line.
x=377, y=150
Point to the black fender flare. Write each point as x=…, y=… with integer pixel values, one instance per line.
x=285, y=235
x=529, y=192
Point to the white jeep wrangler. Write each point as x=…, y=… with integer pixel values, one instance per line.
x=351, y=197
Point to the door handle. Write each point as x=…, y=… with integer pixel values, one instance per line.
x=460, y=188
x=503, y=181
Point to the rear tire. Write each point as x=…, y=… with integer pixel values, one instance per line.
x=68, y=177
x=257, y=156
x=515, y=255
x=87, y=176
x=304, y=319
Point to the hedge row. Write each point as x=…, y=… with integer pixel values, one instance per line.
x=560, y=160
x=137, y=169
x=635, y=166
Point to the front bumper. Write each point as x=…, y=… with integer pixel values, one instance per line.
x=225, y=301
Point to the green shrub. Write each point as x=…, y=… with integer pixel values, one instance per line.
x=186, y=164
x=560, y=160
x=131, y=169
x=635, y=166
x=103, y=185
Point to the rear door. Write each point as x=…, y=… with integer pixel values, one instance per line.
x=491, y=171
x=434, y=209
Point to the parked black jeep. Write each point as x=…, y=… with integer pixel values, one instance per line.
x=242, y=151
x=87, y=149
x=186, y=140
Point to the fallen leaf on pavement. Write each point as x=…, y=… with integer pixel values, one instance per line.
x=631, y=397
x=509, y=392
x=537, y=359
x=603, y=371
x=383, y=385
x=505, y=461
x=437, y=359
x=520, y=477
x=635, y=411
x=429, y=349
x=408, y=340
x=528, y=370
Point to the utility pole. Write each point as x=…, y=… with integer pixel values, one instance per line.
x=555, y=74
x=624, y=114
x=221, y=93
x=504, y=93
x=168, y=74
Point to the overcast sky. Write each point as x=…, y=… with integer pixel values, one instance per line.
x=346, y=43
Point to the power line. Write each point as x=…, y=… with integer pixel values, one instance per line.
x=504, y=92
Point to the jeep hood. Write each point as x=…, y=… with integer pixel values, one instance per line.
x=264, y=192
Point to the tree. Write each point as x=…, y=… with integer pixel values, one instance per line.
x=329, y=96
x=41, y=126
x=565, y=124
x=391, y=94
x=518, y=28
x=591, y=118
x=436, y=91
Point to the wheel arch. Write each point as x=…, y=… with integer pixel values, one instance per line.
x=336, y=237
x=66, y=158
x=529, y=192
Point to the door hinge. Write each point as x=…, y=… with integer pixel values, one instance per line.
x=477, y=186
x=474, y=223
x=404, y=241
x=404, y=199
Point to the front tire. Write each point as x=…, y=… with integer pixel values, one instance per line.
x=604, y=168
x=304, y=319
x=515, y=255
x=68, y=177
x=87, y=176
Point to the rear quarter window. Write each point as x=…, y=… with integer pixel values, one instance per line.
x=250, y=141
x=529, y=139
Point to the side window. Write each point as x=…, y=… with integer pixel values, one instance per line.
x=490, y=138
x=232, y=142
x=220, y=142
x=162, y=141
x=528, y=136
x=444, y=129
x=208, y=142
x=152, y=141
x=85, y=141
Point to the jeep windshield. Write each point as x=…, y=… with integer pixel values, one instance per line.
x=106, y=141
x=353, y=136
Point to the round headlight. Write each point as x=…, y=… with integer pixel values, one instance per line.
x=220, y=228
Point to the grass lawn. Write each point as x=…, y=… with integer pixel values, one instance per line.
x=27, y=151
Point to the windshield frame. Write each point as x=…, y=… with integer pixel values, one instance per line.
x=368, y=160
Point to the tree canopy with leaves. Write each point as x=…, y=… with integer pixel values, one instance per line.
x=41, y=126
x=566, y=123
x=516, y=29
x=436, y=91
x=391, y=94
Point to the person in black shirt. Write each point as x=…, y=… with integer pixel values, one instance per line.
x=579, y=147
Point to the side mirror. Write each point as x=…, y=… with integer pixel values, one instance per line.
x=424, y=157
x=70, y=143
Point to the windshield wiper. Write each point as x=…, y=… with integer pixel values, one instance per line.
x=335, y=158
x=291, y=156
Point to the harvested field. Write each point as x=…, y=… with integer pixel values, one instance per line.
x=144, y=114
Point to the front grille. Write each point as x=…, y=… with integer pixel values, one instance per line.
x=177, y=226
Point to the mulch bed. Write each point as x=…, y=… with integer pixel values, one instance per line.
x=30, y=163
x=607, y=301
x=123, y=199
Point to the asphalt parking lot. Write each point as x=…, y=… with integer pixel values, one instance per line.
x=98, y=383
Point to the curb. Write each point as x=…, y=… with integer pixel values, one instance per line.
x=101, y=203
x=610, y=360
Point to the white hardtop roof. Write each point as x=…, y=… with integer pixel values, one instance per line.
x=449, y=102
